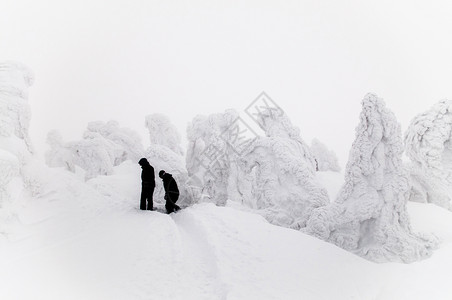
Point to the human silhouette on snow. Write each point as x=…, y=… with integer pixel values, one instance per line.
x=171, y=191
x=147, y=184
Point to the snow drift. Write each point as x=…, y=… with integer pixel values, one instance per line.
x=428, y=144
x=369, y=217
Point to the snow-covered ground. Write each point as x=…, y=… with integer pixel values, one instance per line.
x=77, y=240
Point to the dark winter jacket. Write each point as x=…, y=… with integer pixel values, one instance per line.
x=147, y=175
x=170, y=184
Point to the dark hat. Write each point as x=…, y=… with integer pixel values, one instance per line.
x=143, y=161
x=161, y=173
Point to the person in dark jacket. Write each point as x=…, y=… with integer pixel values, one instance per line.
x=171, y=191
x=147, y=184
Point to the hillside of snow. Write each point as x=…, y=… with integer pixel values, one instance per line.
x=90, y=241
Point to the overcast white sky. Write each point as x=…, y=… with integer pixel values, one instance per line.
x=102, y=60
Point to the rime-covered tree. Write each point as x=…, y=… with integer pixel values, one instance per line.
x=163, y=132
x=284, y=186
x=59, y=154
x=127, y=139
x=15, y=145
x=103, y=146
x=165, y=153
x=369, y=217
x=429, y=146
x=209, y=156
x=325, y=158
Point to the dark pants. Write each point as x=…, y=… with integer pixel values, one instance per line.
x=171, y=199
x=147, y=192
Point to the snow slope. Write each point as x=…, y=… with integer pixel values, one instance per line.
x=78, y=240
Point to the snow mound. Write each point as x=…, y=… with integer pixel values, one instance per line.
x=429, y=146
x=370, y=217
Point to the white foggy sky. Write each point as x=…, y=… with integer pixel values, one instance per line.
x=101, y=60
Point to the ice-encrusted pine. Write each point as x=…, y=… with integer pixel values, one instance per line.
x=369, y=217
x=127, y=139
x=284, y=186
x=325, y=158
x=428, y=144
x=15, y=145
x=209, y=158
x=104, y=145
x=163, y=132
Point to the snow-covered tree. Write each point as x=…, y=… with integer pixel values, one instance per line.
x=284, y=186
x=96, y=155
x=104, y=145
x=127, y=139
x=370, y=217
x=163, y=132
x=165, y=153
x=15, y=115
x=325, y=158
x=209, y=156
x=15, y=145
x=59, y=154
x=428, y=144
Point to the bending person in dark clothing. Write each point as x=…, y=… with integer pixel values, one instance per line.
x=171, y=191
x=147, y=184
